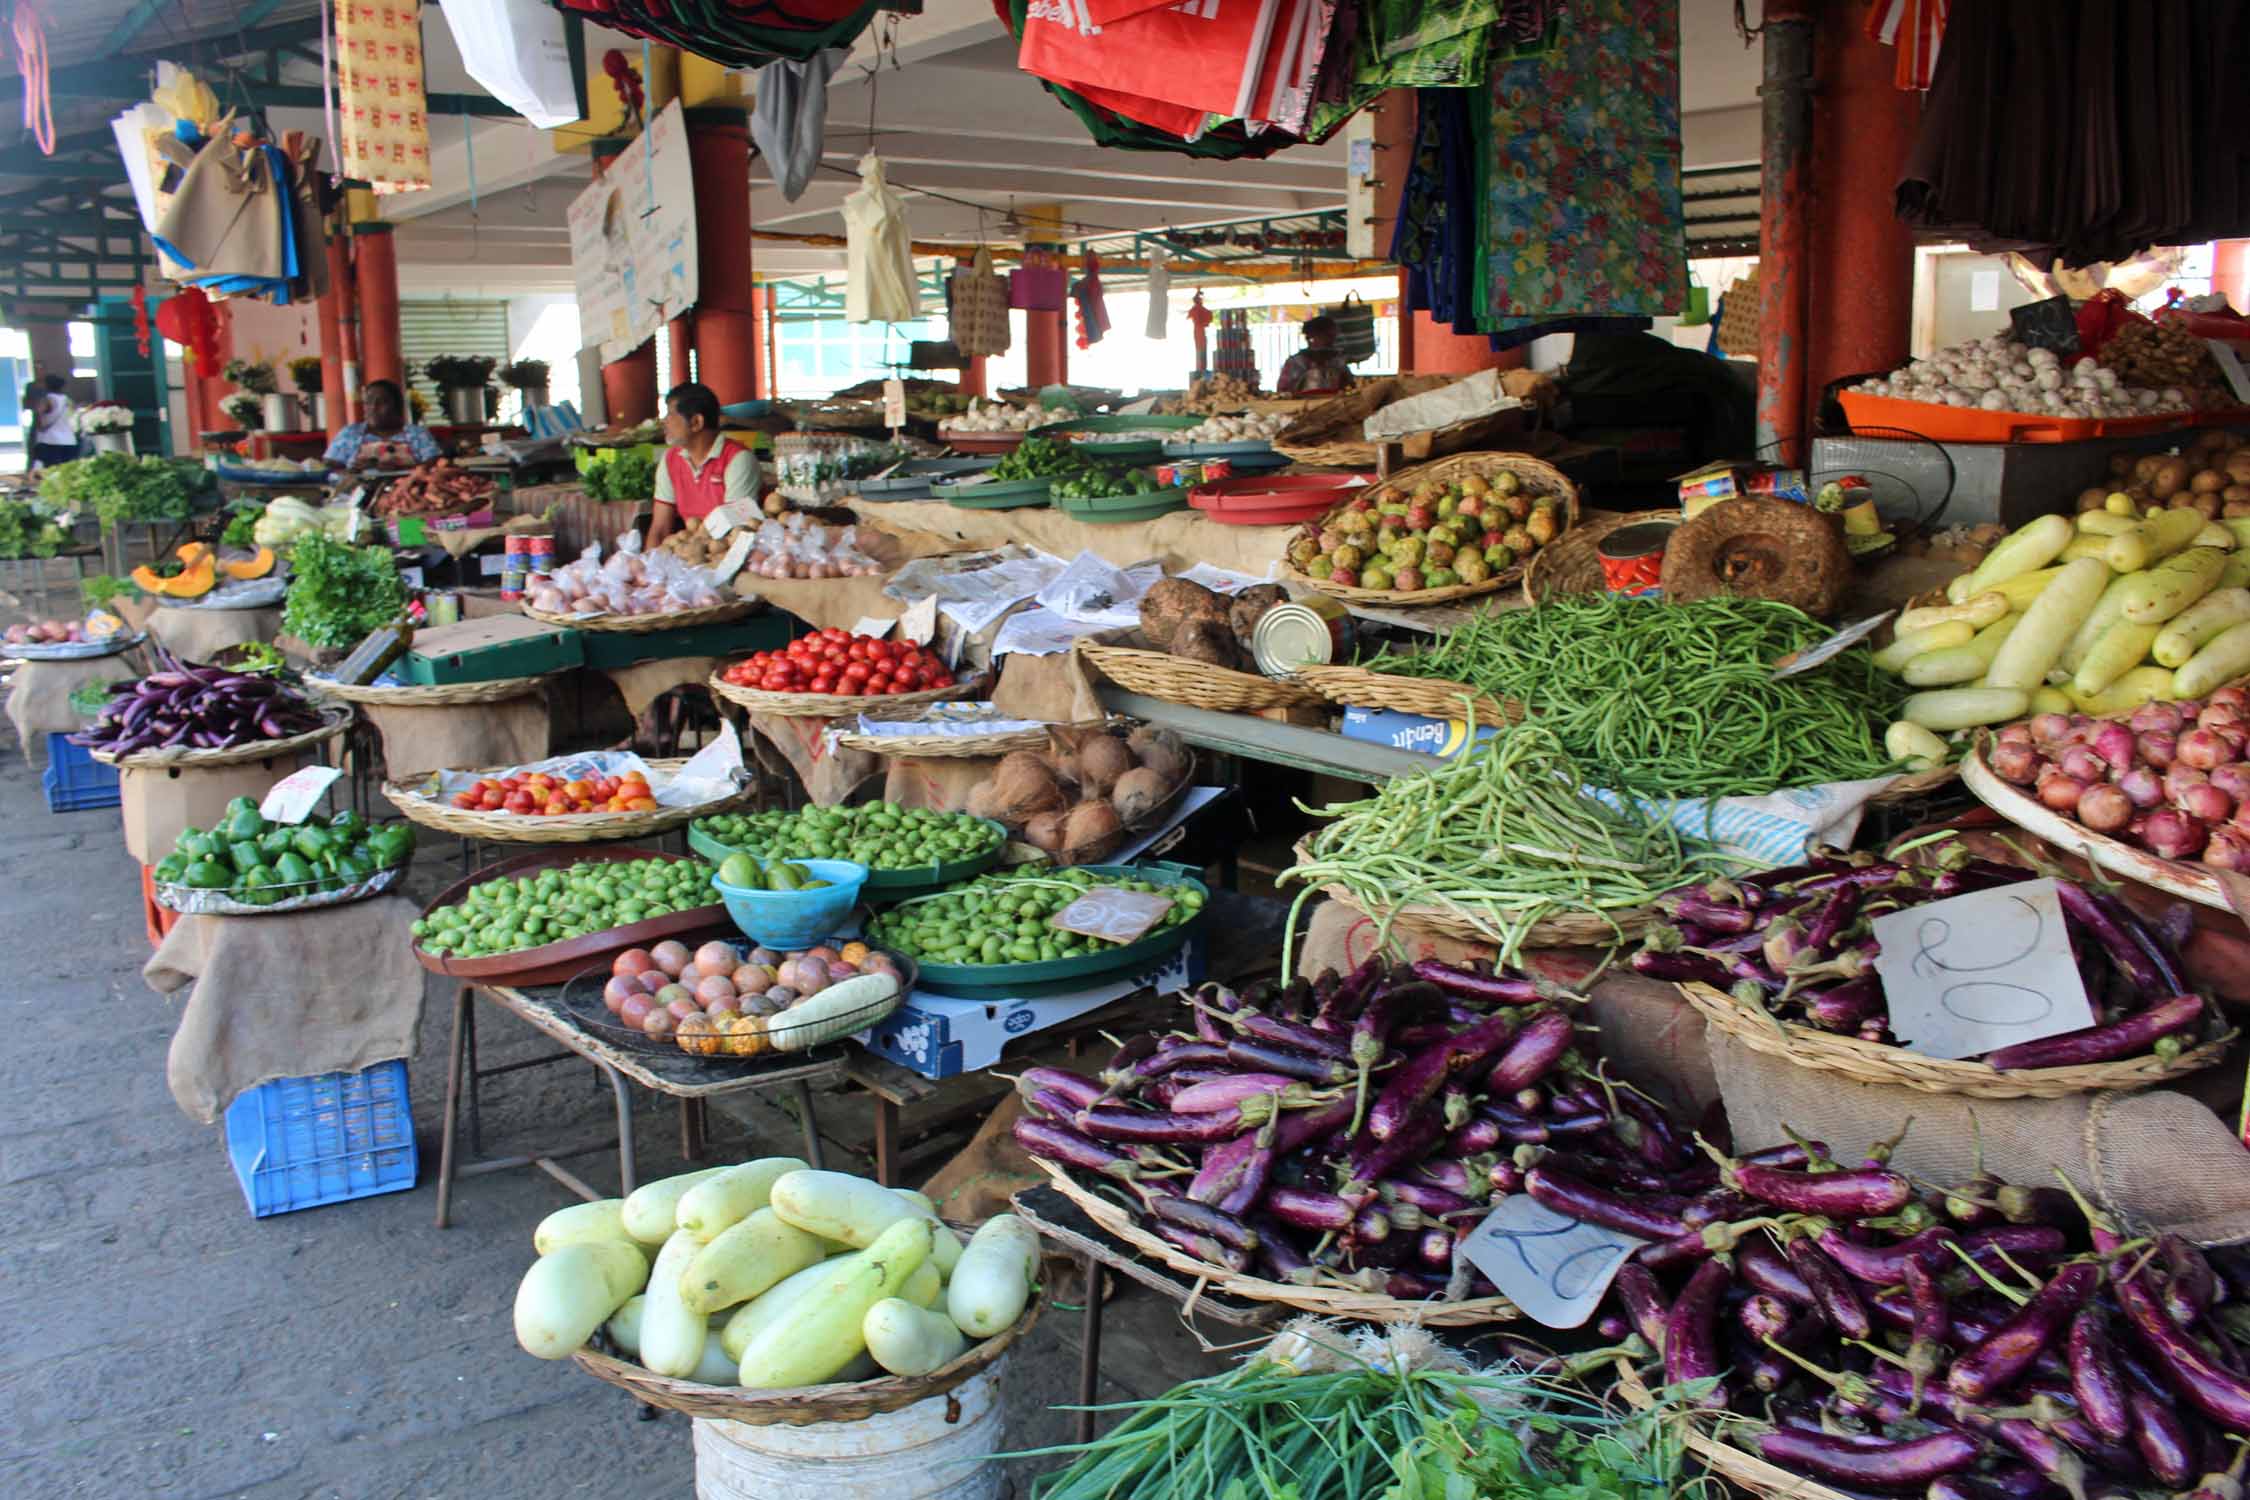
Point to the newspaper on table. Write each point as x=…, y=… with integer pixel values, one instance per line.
x=955, y=720
x=973, y=589
x=709, y=774
x=1043, y=632
x=1095, y=592
x=1221, y=580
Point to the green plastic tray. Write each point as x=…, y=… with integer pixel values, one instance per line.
x=883, y=886
x=1061, y=975
x=1005, y=494
x=1139, y=452
x=1111, y=510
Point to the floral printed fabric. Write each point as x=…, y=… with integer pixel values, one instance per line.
x=385, y=129
x=1582, y=205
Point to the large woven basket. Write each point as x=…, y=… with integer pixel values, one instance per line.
x=1735, y=1465
x=438, y=695
x=563, y=828
x=1569, y=565
x=1574, y=929
x=710, y=614
x=1197, y=684
x=1333, y=433
x=801, y=1406
x=1430, y=697
x=1879, y=1062
x=335, y=719
x=1538, y=477
x=834, y=705
x=1334, y=1301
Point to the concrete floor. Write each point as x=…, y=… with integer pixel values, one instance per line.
x=166, y=1343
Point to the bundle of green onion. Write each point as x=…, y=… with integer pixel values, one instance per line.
x=1501, y=839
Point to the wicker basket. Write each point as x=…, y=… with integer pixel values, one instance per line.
x=1197, y=684
x=801, y=1406
x=1328, y=1301
x=833, y=705
x=1568, y=565
x=1430, y=697
x=441, y=695
x=945, y=746
x=563, y=828
x=1333, y=433
x=1735, y=1465
x=1574, y=929
x=1537, y=476
x=334, y=721
x=710, y=614
x=1879, y=1062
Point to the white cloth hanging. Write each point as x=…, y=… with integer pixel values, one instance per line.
x=1159, y=288
x=878, y=252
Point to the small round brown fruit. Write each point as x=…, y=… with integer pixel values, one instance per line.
x=636, y=1010
x=659, y=1023
x=716, y=957
x=621, y=988
x=632, y=961
x=713, y=988
x=670, y=956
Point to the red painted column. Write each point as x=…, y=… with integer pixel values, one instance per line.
x=1861, y=264
x=972, y=377
x=1784, y=226
x=726, y=320
x=769, y=342
x=2230, y=272
x=628, y=384
x=380, y=352
x=1047, y=343
x=331, y=311
x=1438, y=350
x=679, y=338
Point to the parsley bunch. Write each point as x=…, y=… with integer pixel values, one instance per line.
x=339, y=594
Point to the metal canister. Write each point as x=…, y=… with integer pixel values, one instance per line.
x=1215, y=469
x=443, y=609
x=1632, y=557
x=539, y=555
x=1314, y=631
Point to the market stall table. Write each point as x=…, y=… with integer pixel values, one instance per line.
x=1253, y=738
x=1181, y=539
x=39, y=691
x=684, y=1078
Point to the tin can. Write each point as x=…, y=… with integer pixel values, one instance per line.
x=443, y=609
x=1215, y=469
x=539, y=555
x=1632, y=558
x=1315, y=631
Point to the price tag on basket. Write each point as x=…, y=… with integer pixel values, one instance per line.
x=1555, y=1269
x=894, y=402
x=1112, y=913
x=1971, y=974
x=1824, y=651
x=291, y=798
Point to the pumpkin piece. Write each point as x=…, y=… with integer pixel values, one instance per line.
x=195, y=580
x=148, y=580
x=256, y=566
x=192, y=553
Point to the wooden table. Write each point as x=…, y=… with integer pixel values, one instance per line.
x=691, y=1081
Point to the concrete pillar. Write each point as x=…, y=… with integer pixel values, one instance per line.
x=1784, y=226
x=973, y=377
x=628, y=384
x=382, y=353
x=726, y=331
x=1861, y=262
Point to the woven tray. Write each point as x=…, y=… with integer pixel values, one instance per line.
x=945, y=746
x=801, y=1406
x=108, y=645
x=1879, y=1062
x=1537, y=476
x=563, y=828
x=833, y=705
x=335, y=720
x=1430, y=697
x=1328, y=1301
x=1737, y=1466
x=1175, y=679
x=1566, y=930
x=710, y=614
x=1568, y=565
x=411, y=695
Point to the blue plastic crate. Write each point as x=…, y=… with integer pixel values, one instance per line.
x=301, y=1142
x=74, y=780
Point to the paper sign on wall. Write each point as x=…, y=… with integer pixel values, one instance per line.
x=293, y=796
x=1555, y=1269
x=1971, y=974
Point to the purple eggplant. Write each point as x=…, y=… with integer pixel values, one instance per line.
x=1643, y=1302
x=2127, y=1038
x=1066, y=1147
x=1082, y=1092
x=1691, y=1331
x=1202, y=1219
x=1852, y=1193
x=1696, y=905
x=1763, y=1270
x=1298, y=1127
x=1847, y=1006
x=1303, y=1209
x=1574, y=1198
x=1534, y=1050
x=1232, y=1090
x=1905, y=1464
x=1049, y=1105
x=1260, y=1026
x=2218, y=1393
x=1995, y=1361
x=1489, y=989
x=1204, y=1248
x=2162, y=1440
x=1884, y=1265
x=1341, y=1005
x=1229, y=1166
x=1370, y=1161
x=1414, y=1081
x=1473, y=1139
x=1832, y=1294
x=1434, y=1247
x=1178, y=1054
x=1112, y=1123
x=1272, y=1057
x=1679, y=968
x=2191, y=1285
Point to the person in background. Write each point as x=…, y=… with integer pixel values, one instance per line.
x=1318, y=369
x=54, y=433
x=385, y=436
x=701, y=470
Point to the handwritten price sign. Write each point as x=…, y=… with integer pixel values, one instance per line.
x=1971, y=974
x=1555, y=1269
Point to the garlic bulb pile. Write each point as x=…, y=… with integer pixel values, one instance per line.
x=997, y=416
x=626, y=583
x=1253, y=427
x=1998, y=374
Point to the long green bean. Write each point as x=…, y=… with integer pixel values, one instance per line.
x=1676, y=699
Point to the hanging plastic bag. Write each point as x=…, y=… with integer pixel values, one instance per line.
x=1159, y=292
x=879, y=252
x=1355, y=328
x=1240, y=60
x=979, y=320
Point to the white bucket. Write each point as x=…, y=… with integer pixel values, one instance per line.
x=911, y=1454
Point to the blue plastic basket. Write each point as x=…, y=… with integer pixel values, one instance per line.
x=74, y=780
x=795, y=919
x=301, y=1142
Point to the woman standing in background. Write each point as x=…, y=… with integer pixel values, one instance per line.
x=51, y=416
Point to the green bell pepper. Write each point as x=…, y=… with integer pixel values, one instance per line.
x=195, y=844
x=352, y=869
x=312, y=842
x=241, y=804
x=259, y=886
x=244, y=823
x=390, y=844
x=273, y=843
x=246, y=857
x=171, y=867
x=348, y=825
x=293, y=870
x=207, y=875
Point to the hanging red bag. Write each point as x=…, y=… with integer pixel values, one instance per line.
x=2099, y=318
x=1039, y=284
x=186, y=319
x=1237, y=58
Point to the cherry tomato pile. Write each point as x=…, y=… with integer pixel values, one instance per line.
x=849, y=666
x=543, y=795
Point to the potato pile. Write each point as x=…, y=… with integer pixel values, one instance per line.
x=2158, y=355
x=2211, y=474
x=1190, y=620
x=1251, y=427
x=1214, y=394
x=696, y=547
x=1998, y=374
x=1077, y=805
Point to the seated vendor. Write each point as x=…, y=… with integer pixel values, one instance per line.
x=1320, y=367
x=385, y=440
x=701, y=470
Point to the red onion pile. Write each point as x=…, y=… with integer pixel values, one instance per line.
x=2171, y=779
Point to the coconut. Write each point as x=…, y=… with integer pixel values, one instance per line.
x=1101, y=761
x=984, y=801
x=1170, y=603
x=1250, y=606
x=1138, y=793
x=1024, y=786
x=1091, y=833
x=1161, y=751
x=1210, y=641
x=1045, y=832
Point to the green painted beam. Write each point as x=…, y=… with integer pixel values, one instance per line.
x=64, y=167
x=133, y=23
x=308, y=96
x=127, y=77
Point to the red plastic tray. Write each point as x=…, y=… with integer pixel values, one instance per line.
x=555, y=963
x=1274, y=499
x=1963, y=424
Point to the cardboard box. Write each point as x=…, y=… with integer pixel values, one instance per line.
x=156, y=803
x=607, y=649
x=480, y=650
x=940, y=1036
x=1443, y=738
x=414, y=531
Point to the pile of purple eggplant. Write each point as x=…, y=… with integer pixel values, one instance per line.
x=1798, y=944
x=1345, y=1131
x=1879, y=1335
x=192, y=706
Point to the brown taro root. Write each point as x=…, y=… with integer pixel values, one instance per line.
x=1170, y=603
x=1207, y=641
x=1250, y=607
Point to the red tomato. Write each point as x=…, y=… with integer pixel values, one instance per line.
x=468, y=800
x=835, y=633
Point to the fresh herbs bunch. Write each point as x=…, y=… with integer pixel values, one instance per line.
x=242, y=524
x=101, y=590
x=339, y=594
x=26, y=533
x=120, y=487
x=460, y=371
x=619, y=473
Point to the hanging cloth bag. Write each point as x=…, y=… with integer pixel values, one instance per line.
x=790, y=118
x=878, y=252
x=1093, y=307
x=979, y=321
x=1355, y=328
x=1159, y=293
x=1039, y=284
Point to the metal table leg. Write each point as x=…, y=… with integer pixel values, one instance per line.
x=625, y=1178
x=453, y=1068
x=886, y=1141
x=1090, y=1347
x=476, y=1115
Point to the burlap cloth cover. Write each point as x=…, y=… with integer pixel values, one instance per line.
x=39, y=697
x=420, y=738
x=196, y=634
x=644, y=682
x=1181, y=539
x=328, y=991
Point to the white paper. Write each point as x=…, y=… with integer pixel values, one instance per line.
x=894, y=403
x=960, y=720
x=1971, y=974
x=872, y=627
x=707, y=776
x=293, y=796
x=517, y=50
x=632, y=239
x=1095, y=592
x=1821, y=651
x=737, y=553
x=1220, y=580
x=1042, y=632
x=975, y=589
x=1555, y=1269
x=1191, y=802
x=1984, y=291
x=732, y=516
x=919, y=622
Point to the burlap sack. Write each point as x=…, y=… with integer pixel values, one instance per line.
x=328, y=991
x=643, y=684
x=39, y=699
x=978, y=1181
x=1654, y=1038
x=195, y=634
x=419, y=739
x=1056, y=689
x=2158, y=1157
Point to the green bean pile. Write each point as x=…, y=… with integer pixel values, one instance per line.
x=1500, y=838
x=1676, y=699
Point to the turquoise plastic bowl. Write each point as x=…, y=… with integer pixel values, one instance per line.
x=795, y=919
